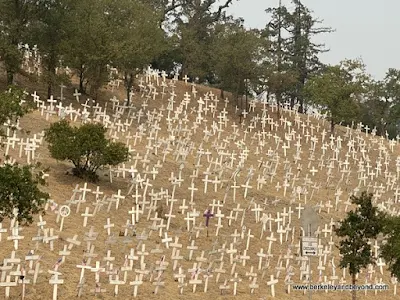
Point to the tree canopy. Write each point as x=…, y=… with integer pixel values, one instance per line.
x=19, y=190
x=337, y=91
x=356, y=230
x=85, y=146
x=13, y=106
x=202, y=40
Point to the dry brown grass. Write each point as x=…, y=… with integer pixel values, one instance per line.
x=60, y=186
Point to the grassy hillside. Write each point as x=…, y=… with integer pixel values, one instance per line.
x=169, y=148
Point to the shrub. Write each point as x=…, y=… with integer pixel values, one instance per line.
x=13, y=105
x=85, y=146
x=19, y=190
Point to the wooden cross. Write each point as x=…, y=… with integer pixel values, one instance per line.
x=235, y=281
x=253, y=285
x=224, y=287
x=185, y=78
x=83, y=266
x=84, y=190
x=195, y=281
x=158, y=284
x=142, y=253
x=86, y=215
x=272, y=283
x=108, y=226
x=97, y=269
x=76, y=95
x=13, y=259
x=8, y=284
x=15, y=237
x=136, y=283
x=73, y=242
x=180, y=277
x=98, y=289
x=117, y=283
x=166, y=240
x=55, y=281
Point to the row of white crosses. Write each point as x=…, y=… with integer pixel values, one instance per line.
x=313, y=172
x=223, y=163
x=167, y=240
x=27, y=147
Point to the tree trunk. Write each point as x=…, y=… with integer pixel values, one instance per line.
x=278, y=102
x=301, y=107
x=237, y=94
x=292, y=101
x=382, y=129
x=279, y=93
x=184, y=70
x=49, y=90
x=52, y=64
x=81, y=84
x=128, y=86
x=332, y=127
x=96, y=95
x=300, y=98
x=10, y=77
x=353, y=291
x=222, y=94
x=247, y=105
x=50, y=82
x=81, y=80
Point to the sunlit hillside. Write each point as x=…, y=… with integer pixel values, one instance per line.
x=141, y=227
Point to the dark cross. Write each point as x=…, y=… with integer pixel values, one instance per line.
x=207, y=214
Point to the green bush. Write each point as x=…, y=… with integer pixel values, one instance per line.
x=13, y=106
x=85, y=146
x=19, y=190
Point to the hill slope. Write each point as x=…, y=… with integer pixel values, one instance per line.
x=189, y=155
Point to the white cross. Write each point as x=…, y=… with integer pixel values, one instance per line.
x=76, y=95
x=55, y=281
x=272, y=283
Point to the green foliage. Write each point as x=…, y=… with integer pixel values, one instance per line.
x=19, y=190
x=337, y=90
x=86, y=147
x=236, y=55
x=195, y=26
x=380, y=107
x=360, y=225
x=90, y=26
x=13, y=105
x=50, y=33
x=279, y=73
x=283, y=59
x=303, y=58
x=137, y=37
x=390, y=250
x=14, y=17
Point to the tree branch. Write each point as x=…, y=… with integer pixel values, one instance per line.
x=221, y=8
x=174, y=5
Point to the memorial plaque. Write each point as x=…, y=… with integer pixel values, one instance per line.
x=309, y=221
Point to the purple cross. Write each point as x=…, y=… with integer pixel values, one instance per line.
x=207, y=214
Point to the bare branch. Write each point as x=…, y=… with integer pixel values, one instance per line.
x=174, y=5
x=221, y=8
x=170, y=8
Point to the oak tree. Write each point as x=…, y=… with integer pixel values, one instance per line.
x=86, y=147
x=361, y=225
x=337, y=90
x=20, y=192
